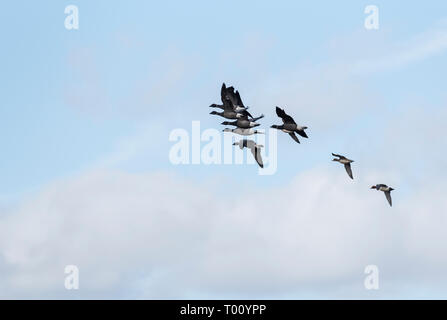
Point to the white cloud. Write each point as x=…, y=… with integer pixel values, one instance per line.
x=156, y=236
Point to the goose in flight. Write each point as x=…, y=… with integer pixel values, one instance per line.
x=230, y=101
x=346, y=162
x=244, y=122
x=289, y=125
x=254, y=148
x=235, y=99
x=243, y=132
x=387, y=190
x=229, y=113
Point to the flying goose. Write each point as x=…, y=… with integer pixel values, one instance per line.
x=231, y=101
x=223, y=98
x=243, y=132
x=235, y=99
x=387, y=190
x=255, y=149
x=289, y=125
x=229, y=113
x=244, y=122
x=346, y=162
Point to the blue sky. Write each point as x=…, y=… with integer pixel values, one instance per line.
x=78, y=104
x=37, y=111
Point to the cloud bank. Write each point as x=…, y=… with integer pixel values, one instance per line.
x=158, y=236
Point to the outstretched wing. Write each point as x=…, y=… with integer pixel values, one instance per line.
x=231, y=95
x=338, y=155
x=294, y=137
x=257, y=154
x=223, y=93
x=227, y=105
x=284, y=116
x=257, y=118
x=239, y=100
x=302, y=133
x=388, y=197
x=348, y=170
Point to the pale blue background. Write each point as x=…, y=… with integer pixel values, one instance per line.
x=73, y=100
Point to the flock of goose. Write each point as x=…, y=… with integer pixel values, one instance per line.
x=233, y=108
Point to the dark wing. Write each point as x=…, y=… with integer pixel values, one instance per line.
x=284, y=116
x=223, y=93
x=231, y=95
x=228, y=105
x=257, y=154
x=338, y=155
x=348, y=170
x=246, y=114
x=239, y=100
x=388, y=197
x=302, y=133
x=257, y=118
x=294, y=137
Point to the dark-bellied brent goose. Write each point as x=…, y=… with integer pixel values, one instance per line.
x=289, y=125
x=387, y=190
x=346, y=162
x=231, y=98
